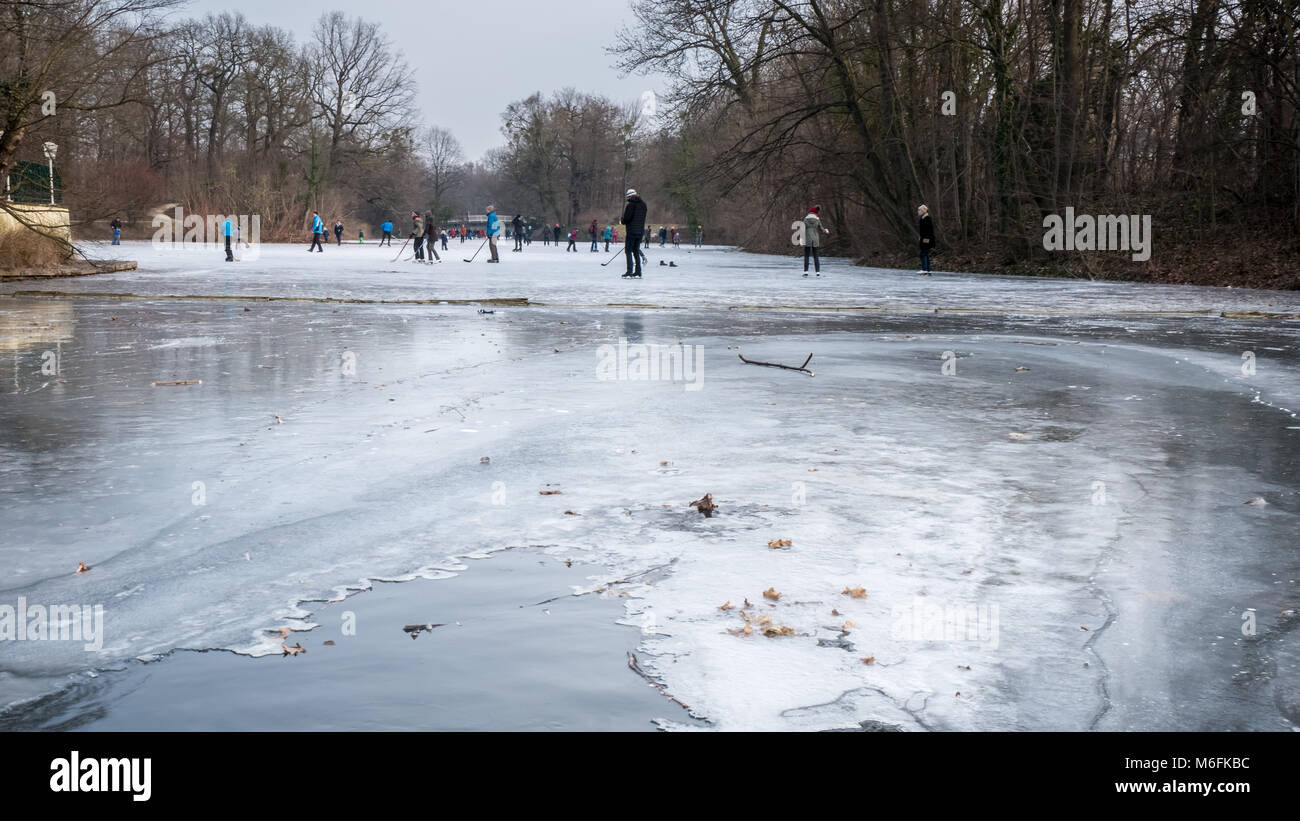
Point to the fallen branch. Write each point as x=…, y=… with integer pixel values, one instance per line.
x=636, y=668
x=802, y=368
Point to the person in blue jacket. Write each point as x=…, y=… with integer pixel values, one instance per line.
x=493, y=231
x=317, y=231
x=227, y=228
x=387, y=238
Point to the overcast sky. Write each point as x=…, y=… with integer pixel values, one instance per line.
x=472, y=59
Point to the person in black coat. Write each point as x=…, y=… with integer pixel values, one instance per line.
x=927, y=238
x=634, y=221
x=518, y=225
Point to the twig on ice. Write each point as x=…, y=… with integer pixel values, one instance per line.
x=802, y=368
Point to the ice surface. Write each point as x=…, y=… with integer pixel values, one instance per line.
x=1110, y=533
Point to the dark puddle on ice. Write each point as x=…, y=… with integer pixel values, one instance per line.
x=516, y=651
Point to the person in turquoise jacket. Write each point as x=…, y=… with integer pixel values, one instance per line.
x=317, y=231
x=493, y=231
x=227, y=228
x=609, y=232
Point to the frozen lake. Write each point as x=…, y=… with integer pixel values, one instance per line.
x=1068, y=505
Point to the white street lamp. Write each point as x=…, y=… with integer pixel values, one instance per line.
x=50, y=150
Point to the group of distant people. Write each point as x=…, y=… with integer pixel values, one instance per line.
x=426, y=235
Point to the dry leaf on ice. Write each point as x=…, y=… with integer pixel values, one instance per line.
x=834, y=612
x=81, y=567
x=855, y=592
x=704, y=504
x=294, y=650
x=869, y=660
x=779, y=543
x=549, y=492
x=727, y=605
x=850, y=624
x=771, y=593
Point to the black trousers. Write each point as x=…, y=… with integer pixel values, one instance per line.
x=632, y=250
x=419, y=247
x=817, y=260
x=315, y=243
x=338, y=235
x=230, y=257
x=387, y=238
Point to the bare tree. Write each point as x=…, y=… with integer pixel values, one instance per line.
x=363, y=90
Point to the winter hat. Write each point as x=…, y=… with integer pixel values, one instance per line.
x=816, y=209
x=631, y=192
x=491, y=208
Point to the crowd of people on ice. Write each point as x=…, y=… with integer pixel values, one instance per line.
x=425, y=235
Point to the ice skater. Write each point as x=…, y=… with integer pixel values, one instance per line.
x=317, y=231
x=417, y=234
x=927, y=238
x=812, y=239
x=227, y=228
x=493, y=231
x=116, y=225
x=518, y=225
x=338, y=232
x=634, y=222
x=387, y=238
x=431, y=237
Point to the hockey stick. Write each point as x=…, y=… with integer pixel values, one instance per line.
x=611, y=259
x=400, y=250
x=480, y=248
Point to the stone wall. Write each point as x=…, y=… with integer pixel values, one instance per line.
x=54, y=218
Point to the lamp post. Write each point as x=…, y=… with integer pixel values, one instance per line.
x=7, y=197
x=50, y=150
